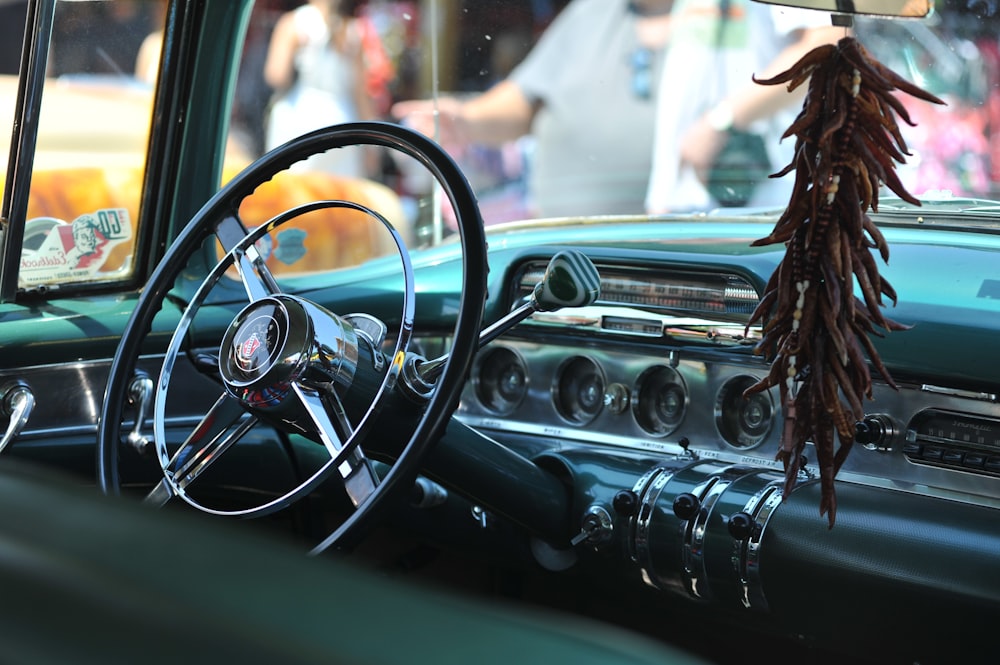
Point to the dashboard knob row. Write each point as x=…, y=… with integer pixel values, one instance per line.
x=696, y=527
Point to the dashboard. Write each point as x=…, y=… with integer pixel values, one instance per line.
x=930, y=437
x=670, y=378
x=640, y=406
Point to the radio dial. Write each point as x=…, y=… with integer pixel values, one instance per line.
x=874, y=432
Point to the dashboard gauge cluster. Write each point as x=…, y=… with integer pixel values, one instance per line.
x=622, y=393
x=606, y=395
x=743, y=421
x=578, y=390
x=502, y=380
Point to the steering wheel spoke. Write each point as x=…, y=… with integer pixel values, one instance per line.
x=335, y=431
x=328, y=415
x=220, y=429
x=257, y=279
x=160, y=494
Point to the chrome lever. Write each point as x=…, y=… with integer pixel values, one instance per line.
x=16, y=401
x=570, y=280
x=140, y=392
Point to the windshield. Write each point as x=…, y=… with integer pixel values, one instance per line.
x=608, y=107
x=553, y=108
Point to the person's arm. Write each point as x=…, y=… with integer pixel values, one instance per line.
x=279, y=67
x=756, y=101
x=506, y=111
x=501, y=114
x=751, y=102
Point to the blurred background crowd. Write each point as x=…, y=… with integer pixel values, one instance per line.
x=374, y=54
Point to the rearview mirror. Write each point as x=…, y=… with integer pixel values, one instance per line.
x=901, y=8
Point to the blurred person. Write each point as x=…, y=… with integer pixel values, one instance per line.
x=716, y=50
x=583, y=93
x=588, y=93
x=316, y=66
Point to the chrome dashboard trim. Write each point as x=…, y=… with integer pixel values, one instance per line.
x=746, y=555
x=693, y=552
x=629, y=322
x=954, y=392
x=657, y=478
x=754, y=593
x=68, y=396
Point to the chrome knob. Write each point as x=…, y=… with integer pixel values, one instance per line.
x=874, y=432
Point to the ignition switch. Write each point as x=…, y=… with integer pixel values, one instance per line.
x=596, y=528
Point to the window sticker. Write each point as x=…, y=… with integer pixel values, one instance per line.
x=76, y=251
x=291, y=246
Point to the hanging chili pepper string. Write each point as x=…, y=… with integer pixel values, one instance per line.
x=816, y=331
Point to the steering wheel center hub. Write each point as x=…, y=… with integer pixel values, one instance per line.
x=254, y=345
x=280, y=340
x=264, y=349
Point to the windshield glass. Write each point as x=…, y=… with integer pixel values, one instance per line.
x=553, y=109
x=607, y=107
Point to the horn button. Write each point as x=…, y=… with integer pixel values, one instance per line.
x=279, y=340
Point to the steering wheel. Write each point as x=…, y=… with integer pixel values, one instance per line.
x=287, y=362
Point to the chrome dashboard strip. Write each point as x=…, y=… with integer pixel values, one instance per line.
x=753, y=588
x=69, y=395
x=657, y=481
x=955, y=392
x=692, y=550
x=747, y=551
x=616, y=320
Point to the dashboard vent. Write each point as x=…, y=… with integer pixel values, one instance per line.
x=717, y=296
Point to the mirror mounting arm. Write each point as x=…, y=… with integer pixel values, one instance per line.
x=842, y=20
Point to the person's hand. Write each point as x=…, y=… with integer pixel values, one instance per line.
x=700, y=145
x=420, y=116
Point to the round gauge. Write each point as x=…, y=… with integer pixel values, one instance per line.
x=743, y=422
x=578, y=392
x=660, y=400
x=502, y=380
